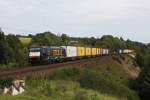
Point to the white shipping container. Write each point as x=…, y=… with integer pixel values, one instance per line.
x=105, y=51
x=71, y=51
x=125, y=51
x=130, y=51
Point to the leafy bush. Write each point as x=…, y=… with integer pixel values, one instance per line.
x=81, y=95
x=8, y=66
x=66, y=74
x=76, y=84
x=12, y=52
x=105, y=83
x=5, y=82
x=102, y=82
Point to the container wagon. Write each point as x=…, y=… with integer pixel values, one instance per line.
x=105, y=51
x=98, y=51
x=56, y=54
x=94, y=52
x=81, y=52
x=50, y=54
x=88, y=52
x=71, y=52
x=127, y=51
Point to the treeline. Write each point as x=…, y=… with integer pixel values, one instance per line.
x=12, y=51
x=106, y=41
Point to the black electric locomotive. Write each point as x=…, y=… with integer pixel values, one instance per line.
x=46, y=54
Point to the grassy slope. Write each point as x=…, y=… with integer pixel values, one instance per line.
x=124, y=66
x=112, y=76
x=25, y=40
x=60, y=90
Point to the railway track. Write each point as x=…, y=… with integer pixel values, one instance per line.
x=43, y=69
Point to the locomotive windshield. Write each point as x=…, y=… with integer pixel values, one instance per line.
x=35, y=49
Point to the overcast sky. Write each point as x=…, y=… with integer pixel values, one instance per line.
x=126, y=18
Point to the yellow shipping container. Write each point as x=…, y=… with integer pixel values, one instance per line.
x=80, y=51
x=88, y=51
x=93, y=51
x=101, y=51
x=97, y=51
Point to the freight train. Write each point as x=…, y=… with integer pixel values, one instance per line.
x=51, y=54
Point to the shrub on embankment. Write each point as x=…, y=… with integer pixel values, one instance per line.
x=96, y=80
x=58, y=90
x=77, y=84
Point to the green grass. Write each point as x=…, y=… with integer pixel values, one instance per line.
x=103, y=81
x=8, y=66
x=25, y=40
x=97, y=80
x=58, y=90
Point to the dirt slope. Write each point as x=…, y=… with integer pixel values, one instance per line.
x=122, y=65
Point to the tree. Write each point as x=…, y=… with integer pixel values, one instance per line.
x=65, y=39
x=5, y=51
x=19, y=53
x=46, y=38
x=142, y=84
x=140, y=59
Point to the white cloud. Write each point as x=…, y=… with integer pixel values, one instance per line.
x=100, y=10
x=77, y=16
